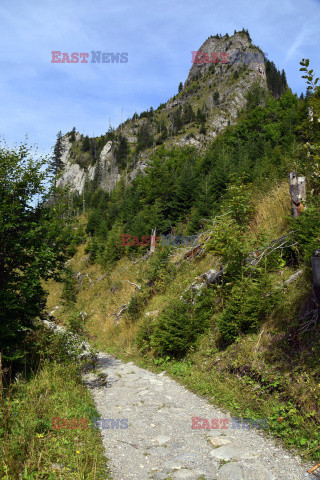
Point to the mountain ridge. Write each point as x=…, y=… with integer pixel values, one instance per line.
x=210, y=100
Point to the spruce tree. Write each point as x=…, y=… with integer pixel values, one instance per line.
x=216, y=97
x=188, y=115
x=72, y=135
x=86, y=144
x=177, y=120
x=56, y=164
x=121, y=151
x=144, y=137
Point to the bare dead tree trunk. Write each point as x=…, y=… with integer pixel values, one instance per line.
x=153, y=241
x=297, y=192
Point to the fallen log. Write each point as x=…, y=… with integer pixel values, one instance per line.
x=195, y=251
x=213, y=276
x=210, y=277
x=256, y=256
x=138, y=287
x=291, y=279
x=311, y=470
x=121, y=311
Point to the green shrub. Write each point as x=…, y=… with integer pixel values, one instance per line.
x=159, y=266
x=179, y=326
x=111, y=250
x=144, y=334
x=69, y=290
x=137, y=303
x=76, y=323
x=249, y=304
x=72, y=249
x=306, y=231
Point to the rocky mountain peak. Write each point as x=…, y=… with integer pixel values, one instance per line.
x=224, y=70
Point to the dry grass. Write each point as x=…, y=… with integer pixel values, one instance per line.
x=272, y=211
x=101, y=299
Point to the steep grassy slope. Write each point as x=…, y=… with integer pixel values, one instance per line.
x=250, y=340
x=271, y=372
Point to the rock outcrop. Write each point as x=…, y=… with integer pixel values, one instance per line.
x=215, y=89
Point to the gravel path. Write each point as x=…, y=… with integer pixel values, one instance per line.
x=146, y=421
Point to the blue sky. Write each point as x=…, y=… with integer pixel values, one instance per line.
x=39, y=98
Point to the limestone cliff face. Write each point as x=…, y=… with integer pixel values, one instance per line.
x=219, y=90
x=72, y=176
x=75, y=176
x=222, y=86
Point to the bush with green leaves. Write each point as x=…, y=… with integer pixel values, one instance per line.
x=33, y=242
x=76, y=323
x=69, y=290
x=306, y=231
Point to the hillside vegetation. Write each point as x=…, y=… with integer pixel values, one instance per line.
x=235, y=318
x=250, y=342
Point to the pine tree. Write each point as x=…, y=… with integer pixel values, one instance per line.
x=72, y=135
x=185, y=188
x=180, y=87
x=203, y=129
x=144, y=137
x=200, y=117
x=216, y=97
x=56, y=164
x=177, y=120
x=204, y=201
x=164, y=132
x=86, y=144
x=188, y=115
x=284, y=84
x=276, y=81
x=121, y=151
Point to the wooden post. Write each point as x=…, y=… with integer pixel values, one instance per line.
x=315, y=263
x=153, y=241
x=297, y=192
